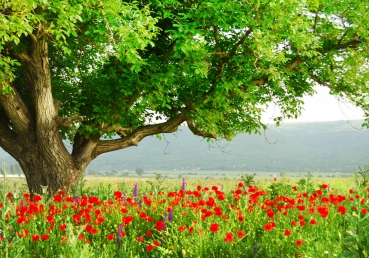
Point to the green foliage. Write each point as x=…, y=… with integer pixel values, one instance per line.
x=279, y=189
x=157, y=184
x=121, y=64
x=356, y=238
x=362, y=176
x=139, y=171
x=248, y=179
x=306, y=184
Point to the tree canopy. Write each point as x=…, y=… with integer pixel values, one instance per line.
x=107, y=73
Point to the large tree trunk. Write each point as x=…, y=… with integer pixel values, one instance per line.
x=32, y=137
x=41, y=170
x=30, y=130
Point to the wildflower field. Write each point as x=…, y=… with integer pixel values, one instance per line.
x=240, y=218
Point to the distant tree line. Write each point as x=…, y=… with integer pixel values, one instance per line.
x=13, y=169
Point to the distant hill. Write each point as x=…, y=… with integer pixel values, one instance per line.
x=298, y=147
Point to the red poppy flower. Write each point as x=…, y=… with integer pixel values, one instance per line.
x=35, y=238
x=240, y=233
x=140, y=239
x=299, y=242
x=148, y=233
x=302, y=223
x=76, y=218
x=214, y=227
x=269, y=226
x=313, y=222
x=81, y=237
x=287, y=232
x=324, y=186
x=364, y=211
x=191, y=230
x=240, y=185
x=149, y=248
x=156, y=243
x=159, y=225
x=36, y=198
x=270, y=213
x=45, y=237
x=127, y=220
x=88, y=228
x=182, y=228
x=62, y=227
x=342, y=210
x=323, y=211
x=58, y=198
x=229, y=237
x=110, y=237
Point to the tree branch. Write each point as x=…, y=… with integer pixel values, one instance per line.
x=353, y=43
x=67, y=122
x=138, y=134
x=16, y=110
x=235, y=47
x=197, y=131
x=318, y=80
x=216, y=37
x=316, y=21
x=291, y=66
x=224, y=60
x=106, y=128
x=8, y=139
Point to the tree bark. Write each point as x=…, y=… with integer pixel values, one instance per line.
x=31, y=133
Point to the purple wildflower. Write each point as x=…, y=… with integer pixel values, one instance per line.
x=119, y=234
x=164, y=221
x=170, y=215
x=256, y=248
x=135, y=191
x=124, y=197
x=183, y=184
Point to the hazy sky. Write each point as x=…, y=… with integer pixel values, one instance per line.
x=321, y=107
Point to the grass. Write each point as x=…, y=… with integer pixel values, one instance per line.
x=158, y=217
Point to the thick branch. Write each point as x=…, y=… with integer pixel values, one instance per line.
x=16, y=110
x=8, y=139
x=291, y=66
x=67, y=122
x=225, y=59
x=316, y=21
x=318, y=80
x=138, y=134
x=197, y=131
x=235, y=47
x=216, y=37
x=107, y=128
x=353, y=43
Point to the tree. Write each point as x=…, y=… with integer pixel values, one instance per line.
x=106, y=74
x=18, y=170
x=13, y=169
x=139, y=171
